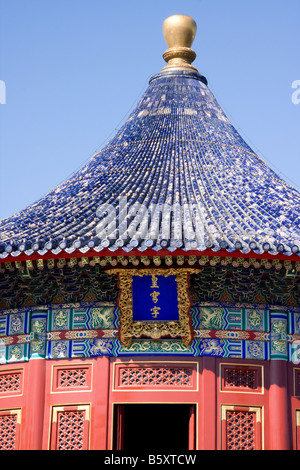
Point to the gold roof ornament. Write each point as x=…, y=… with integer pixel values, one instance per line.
x=179, y=32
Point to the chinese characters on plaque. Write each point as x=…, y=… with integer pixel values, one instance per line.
x=155, y=298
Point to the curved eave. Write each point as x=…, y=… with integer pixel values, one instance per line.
x=163, y=253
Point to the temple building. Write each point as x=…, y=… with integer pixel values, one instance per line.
x=157, y=286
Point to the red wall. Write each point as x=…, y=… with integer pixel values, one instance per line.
x=43, y=403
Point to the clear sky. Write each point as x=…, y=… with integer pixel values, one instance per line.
x=74, y=69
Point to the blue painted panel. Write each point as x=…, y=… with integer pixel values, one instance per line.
x=155, y=298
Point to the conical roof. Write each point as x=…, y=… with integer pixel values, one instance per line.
x=177, y=175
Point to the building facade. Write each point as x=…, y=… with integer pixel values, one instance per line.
x=157, y=288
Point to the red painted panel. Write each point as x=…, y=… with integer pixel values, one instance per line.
x=241, y=378
x=239, y=393
x=11, y=382
x=70, y=377
x=155, y=376
x=78, y=382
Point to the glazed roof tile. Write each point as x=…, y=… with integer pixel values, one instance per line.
x=176, y=175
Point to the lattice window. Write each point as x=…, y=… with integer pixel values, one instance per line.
x=10, y=382
x=9, y=430
x=155, y=376
x=72, y=378
x=242, y=378
x=70, y=428
x=241, y=428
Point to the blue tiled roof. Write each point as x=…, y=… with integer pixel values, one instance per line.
x=176, y=175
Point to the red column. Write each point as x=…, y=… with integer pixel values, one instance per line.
x=100, y=403
x=207, y=411
x=33, y=418
x=279, y=431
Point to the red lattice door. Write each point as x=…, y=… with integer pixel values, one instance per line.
x=70, y=428
x=241, y=428
x=9, y=429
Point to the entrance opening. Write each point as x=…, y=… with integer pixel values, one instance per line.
x=154, y=427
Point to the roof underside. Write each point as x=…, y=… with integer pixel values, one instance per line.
x=177, y=175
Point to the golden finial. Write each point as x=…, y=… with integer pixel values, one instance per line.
x=179, y=32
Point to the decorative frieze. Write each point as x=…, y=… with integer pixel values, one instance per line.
x=74, y=331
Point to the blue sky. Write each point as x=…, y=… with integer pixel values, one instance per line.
x=74, y=70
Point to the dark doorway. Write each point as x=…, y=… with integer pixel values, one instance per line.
x=154, y=427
